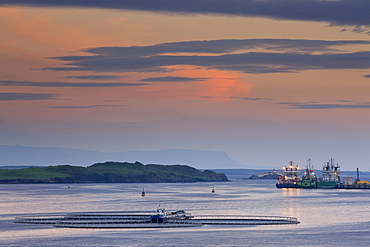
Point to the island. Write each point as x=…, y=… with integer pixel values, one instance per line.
x=267, y=175
x=110, y=172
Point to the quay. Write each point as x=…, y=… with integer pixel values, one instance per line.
x=354, y=186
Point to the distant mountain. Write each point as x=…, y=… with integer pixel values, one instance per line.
x=45, y=156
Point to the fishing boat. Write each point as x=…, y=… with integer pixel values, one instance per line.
x=330, y=176
x=289, y=179
x=309, y=178
x=162, y=215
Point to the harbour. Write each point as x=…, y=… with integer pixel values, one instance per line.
x=330, y=179
x=344, y=212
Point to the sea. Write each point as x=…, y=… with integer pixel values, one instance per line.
x=330, y=217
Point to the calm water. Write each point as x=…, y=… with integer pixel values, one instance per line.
x=328, y=217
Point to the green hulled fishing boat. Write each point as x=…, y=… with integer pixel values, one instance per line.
x=309, y=178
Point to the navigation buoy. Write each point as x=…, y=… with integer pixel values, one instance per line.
x=143, y=193
x=213, y=189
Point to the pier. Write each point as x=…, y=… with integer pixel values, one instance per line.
x=354, y=186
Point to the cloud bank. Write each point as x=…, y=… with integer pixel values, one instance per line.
x=316, y=106
x=94, y=77
x=26, y=96
x=69, y=84
x=335, y=12
x=79, y=106
x=278, y=56
x=173, y=79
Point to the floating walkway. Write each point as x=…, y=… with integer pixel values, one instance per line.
x=245, y=220
x=142, y=220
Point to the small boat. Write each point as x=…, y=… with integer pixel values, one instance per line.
x=289, y=179
x=330, y=176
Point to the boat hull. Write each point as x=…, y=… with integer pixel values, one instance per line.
x=327, y=185
x=286, y=185
x=307, y=184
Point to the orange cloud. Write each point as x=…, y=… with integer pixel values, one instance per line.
x=209, y=84
x=52, y=29
x=30, y=36
x=218, y=85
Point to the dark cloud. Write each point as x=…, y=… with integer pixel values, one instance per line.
x=221, y=46
x=238, y=98
x=26, y=96
x=367, y=76
x=94, y=77
x=78, y=107
x=316, y=106
x=253, y=99
x=281, y=55
x=173, y=79
x=68, y=84
x=336, y=12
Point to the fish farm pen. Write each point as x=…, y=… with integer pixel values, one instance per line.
x=143, y=220
x=245, y=220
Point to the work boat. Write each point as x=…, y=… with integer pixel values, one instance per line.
x=162, y=215
x=309, y=179
x=289, y=179
x=330, y=176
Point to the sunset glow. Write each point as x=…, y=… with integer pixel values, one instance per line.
x=264, y=86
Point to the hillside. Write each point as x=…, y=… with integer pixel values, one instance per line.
x=110, y=172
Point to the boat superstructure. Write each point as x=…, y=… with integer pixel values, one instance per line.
x=290, y=177
x=162, y=215
x=330, y=176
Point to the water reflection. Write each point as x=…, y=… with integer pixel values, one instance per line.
x=292, y=202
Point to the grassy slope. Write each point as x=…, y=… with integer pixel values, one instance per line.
x=111, y=172
x=28, y=173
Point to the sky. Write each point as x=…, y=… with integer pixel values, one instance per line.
x=266, y=81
